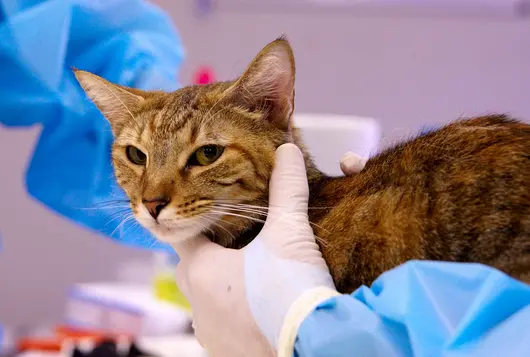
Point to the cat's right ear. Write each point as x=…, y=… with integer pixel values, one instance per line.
x=116, y=103
x=267, y=85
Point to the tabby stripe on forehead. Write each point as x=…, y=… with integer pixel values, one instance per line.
x=178, y=124
x=173, y=114
x=173, y=121
x=157, y=121
x=194, y=133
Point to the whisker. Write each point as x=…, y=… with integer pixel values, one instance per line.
x=262, y=213
x=239, y=215
x=125, y=220
x=203, y=226
x=317, y=238
x=242, y=205
x=142, y=239
x=113, y=201
x=116, y=215
x=321, y=241
x=316, y=225
x=130, y=228
x=218, y=224
x=107, y=205
x=213, y=106
x=216, y=216
x=266, y=207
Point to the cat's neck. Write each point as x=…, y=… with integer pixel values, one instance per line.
x=325, y=192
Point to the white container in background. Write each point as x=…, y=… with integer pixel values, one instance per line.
x=329, y=136
x=123, y=308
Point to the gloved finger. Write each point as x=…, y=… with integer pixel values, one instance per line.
x=288, y=188
x=351, y=163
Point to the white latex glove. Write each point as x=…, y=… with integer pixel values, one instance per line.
x=250, y=302
x=351, y=163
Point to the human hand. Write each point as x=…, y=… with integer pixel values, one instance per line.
x=351, y=163
x=241, y=298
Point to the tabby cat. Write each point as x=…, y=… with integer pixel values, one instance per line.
x=199, y=160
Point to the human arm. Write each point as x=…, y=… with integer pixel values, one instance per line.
x=423, y=309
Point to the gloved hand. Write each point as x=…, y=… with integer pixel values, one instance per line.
x=241, y=298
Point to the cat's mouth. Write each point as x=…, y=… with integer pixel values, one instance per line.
x=213, y=219
x=170, y=227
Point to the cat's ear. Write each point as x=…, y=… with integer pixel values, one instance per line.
x=268, y=83
x=116, y=103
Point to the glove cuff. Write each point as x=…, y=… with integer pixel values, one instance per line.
x=297, y=313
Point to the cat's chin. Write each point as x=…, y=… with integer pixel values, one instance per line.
x=168, y=229
x=174, y=235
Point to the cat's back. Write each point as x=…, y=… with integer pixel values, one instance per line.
x=462, y=147
x=460, y=193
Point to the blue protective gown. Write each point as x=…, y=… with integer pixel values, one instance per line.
x=129, y=42
x=424, y=309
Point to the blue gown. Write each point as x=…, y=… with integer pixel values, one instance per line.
x=424, y=309
x=129, y=42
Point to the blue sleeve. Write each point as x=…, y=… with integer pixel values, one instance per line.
x=129, y=42
x=424, y=309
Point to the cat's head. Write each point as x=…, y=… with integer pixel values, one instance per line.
x=199, y=159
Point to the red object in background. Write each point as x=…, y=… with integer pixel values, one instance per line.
x=63, y=334
x=204, y=75
x=67, y=332
x=39, y=344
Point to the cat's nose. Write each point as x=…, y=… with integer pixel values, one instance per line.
x=155, y=206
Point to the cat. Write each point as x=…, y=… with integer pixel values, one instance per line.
x=198, y=160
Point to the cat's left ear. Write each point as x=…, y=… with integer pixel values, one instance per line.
x=116, y=103
x=267, y=85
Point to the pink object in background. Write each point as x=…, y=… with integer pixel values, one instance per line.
x=204, y=75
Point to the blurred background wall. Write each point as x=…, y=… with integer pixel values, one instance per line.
x=406, y=72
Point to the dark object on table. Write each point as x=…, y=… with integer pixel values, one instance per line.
x=108, y=348
x=77, y=353
x=134, y=351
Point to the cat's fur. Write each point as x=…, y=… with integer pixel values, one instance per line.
x=460, y=193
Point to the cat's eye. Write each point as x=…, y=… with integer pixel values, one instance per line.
x=205, y=155
x=135, y=155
